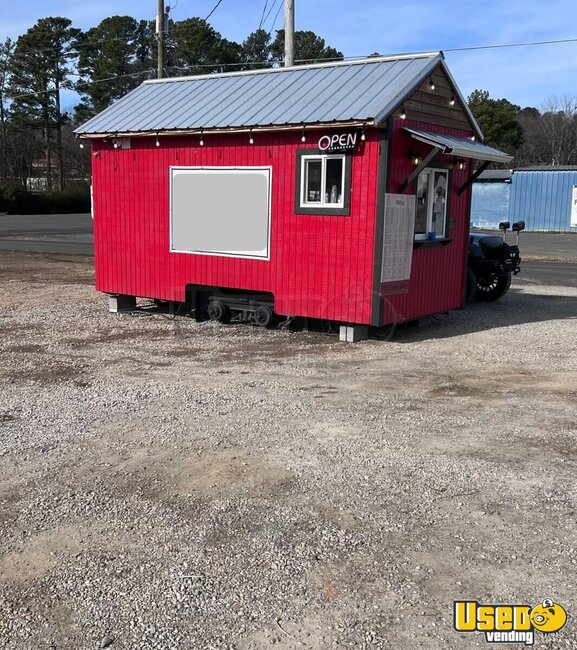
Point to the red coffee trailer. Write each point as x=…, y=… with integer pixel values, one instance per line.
x=337, y=191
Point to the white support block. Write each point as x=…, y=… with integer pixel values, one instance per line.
x=119, y=302
x=353, y=333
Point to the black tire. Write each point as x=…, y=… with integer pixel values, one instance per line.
x=264, y=316
x=218, y=311
x=492, y=288
x=471, y=285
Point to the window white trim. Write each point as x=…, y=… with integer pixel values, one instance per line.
x=430, y=172
x=323, y=203
x=199, y=209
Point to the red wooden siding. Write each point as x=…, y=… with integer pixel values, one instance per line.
x=320, y=266
x=437, y=275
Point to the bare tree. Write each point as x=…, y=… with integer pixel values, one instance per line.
x=550, y=134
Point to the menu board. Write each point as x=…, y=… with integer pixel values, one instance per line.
x=398, y=237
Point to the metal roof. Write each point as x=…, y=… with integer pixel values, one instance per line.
x=547, y=168
x=459, y=146
x=366, y=90
x=495, y=176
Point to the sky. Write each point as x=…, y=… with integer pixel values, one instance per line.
x=526, y=75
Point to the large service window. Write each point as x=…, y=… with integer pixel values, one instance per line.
x=220, y=211
x=431, y=210
x=323, y=183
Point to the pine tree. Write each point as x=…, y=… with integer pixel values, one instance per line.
x=196, y=48
x=309, y=48
x=6, y=52
x=39, y=69
x=108, y=56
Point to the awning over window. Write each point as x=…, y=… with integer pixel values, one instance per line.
x=458, y=146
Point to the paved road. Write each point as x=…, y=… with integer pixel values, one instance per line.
x=561, y=246
x=47, y=233
x=559, y=274
x=72, y=234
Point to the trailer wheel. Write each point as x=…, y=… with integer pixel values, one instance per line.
x=217, y=310
x=263, y=316
x=492, y=288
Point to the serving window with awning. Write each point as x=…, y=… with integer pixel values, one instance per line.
x=457, y=146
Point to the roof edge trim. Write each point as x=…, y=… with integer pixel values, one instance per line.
x=470, y=115
x=317, y=126
x=297, y=68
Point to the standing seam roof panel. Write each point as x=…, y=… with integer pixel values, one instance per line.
x=213, y=113
x=198, y=103
x=166, y=107
x=308, y=85
x=333, y=108
x=264, y=93
x=396, y=80
x=357, y=103
x=340, y=91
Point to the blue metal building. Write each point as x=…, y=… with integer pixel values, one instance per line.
x=545, y=198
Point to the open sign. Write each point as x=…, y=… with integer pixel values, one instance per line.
x=338, y=142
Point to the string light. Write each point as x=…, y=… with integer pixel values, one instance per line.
x=157, y=141
x=363, y=136
x=452, y=101
x=201, y=138
x=251, y=140
x=303, y=137
x=431, y=84
x=403, y=113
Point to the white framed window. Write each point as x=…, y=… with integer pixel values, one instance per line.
x=322, y=181
x=432, y=199
x=223, y=211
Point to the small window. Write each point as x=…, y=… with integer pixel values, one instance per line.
x=431, y=211
x=323, y=183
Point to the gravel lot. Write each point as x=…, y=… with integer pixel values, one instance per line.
x=173, y=484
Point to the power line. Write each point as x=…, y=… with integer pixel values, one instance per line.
x=81, y=84
x=280, y=5
x=503, y=45
x=244, y=64
x=216, y=6
x=262, y=15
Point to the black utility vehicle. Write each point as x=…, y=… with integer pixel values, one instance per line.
x=492, y=263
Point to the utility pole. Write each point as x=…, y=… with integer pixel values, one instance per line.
x=289, y=33
x=160, y=21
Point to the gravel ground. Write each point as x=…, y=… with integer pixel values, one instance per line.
x=173, y=484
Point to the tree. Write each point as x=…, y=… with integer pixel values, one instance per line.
x=194, y=47
x=256, y=50
x=108, y=63
x=6, y=52
x=498, y=120
x=39, y=68
x=309, y=48
x=145, y=45
x=556, y=131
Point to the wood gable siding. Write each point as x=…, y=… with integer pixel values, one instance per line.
x=433, y=106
